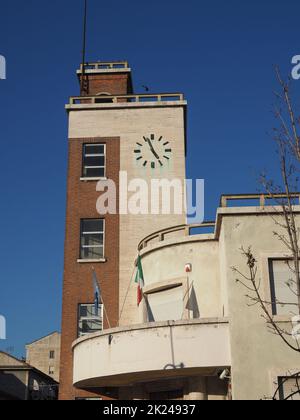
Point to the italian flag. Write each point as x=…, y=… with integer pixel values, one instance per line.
x=139, y=279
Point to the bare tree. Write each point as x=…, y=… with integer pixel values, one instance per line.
x=283, y=196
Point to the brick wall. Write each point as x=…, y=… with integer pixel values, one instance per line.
x=115, y=84
x=78, y=285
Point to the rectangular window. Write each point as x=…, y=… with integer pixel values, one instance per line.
x=88, y=321
x=92, y=239
x=52, y=354
x=289, y=388
x=94, y=161
x=283, y=288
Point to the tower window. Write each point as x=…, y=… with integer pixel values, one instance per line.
x=94, y=158
x=92, y=239
x=52, y=354
x=88, y=320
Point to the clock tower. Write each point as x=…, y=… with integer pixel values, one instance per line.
x=112, y=131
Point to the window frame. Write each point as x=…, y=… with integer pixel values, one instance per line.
x=52, y=354
x=282, y=380
x=82, y=247
x=272, y=285
x=84, y=155
x=79, y=318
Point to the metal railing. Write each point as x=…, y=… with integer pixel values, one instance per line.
x=103, y=99
x=163, y=234
x=261, y=198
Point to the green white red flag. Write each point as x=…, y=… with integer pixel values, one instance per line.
x=139, y=279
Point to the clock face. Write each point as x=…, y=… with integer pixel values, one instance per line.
x=153, y=152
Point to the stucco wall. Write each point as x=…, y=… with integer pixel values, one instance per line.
x=38, y=355
x=257, y=355
x=167, y=263
x=151, y=351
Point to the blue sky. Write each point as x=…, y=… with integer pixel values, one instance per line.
x=219, y=53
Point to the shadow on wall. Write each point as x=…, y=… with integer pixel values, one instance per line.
x=192, y=304
x=13, y=387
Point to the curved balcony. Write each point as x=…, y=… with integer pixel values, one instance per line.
x=148, y=352
x=175, y=232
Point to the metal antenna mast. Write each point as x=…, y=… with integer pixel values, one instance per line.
x=83, y=81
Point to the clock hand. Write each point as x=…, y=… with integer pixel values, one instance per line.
x=152, y=148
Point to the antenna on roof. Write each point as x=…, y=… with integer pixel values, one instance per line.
x=84, y=85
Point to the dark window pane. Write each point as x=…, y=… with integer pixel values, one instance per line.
x=94, y=161
x=94, y=172
x=103, y=100
x=94, y=149
x=83, y=311
x=92, y=225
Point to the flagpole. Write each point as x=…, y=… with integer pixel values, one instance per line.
x=84, y=46
x=127, y=293
x=105, y=313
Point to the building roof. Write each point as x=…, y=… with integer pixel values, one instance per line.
x=18, y=364
x=43, y=338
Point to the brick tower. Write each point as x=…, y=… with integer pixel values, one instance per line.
x=106, y=125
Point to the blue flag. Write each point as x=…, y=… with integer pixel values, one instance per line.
x=97, y=293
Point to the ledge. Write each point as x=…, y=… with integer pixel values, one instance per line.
x=150, y=325
x=91, y=179
x=104, y=71
x=162, y=285
x=282, y=319
x=124, y=105
x=101, y=260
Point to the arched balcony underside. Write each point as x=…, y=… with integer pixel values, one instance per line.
x=151, y=352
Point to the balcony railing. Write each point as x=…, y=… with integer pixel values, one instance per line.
x=262, y=199
x=104, y=99
x=105, y=65
x=165, y=234
x=241, y=200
